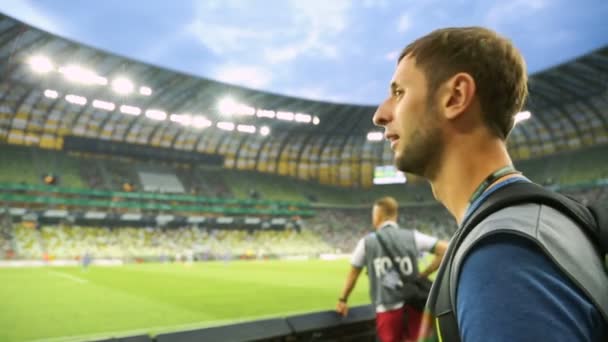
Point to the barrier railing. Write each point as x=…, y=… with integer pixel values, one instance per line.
x=358, y=326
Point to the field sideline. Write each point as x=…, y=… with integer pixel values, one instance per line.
x=53, y=304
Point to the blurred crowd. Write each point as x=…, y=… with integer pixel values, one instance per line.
x=73, y=242
x=331, y=230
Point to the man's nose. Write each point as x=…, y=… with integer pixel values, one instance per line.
x=383, y=115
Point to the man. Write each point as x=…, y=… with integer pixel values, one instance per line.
x=452, y=102
x=405, y=246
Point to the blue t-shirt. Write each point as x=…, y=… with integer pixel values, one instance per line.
x=509, y=290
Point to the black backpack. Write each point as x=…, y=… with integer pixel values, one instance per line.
x=592, y=219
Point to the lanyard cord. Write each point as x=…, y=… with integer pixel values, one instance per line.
x=493, y=177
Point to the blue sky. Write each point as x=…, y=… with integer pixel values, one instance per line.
x=335, y=50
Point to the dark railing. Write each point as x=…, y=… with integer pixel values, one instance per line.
x=359, y=326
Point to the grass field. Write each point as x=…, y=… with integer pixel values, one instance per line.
x=56, y=304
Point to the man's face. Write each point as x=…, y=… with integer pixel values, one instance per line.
x=411, y=122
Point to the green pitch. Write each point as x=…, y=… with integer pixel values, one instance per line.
x=56, y=304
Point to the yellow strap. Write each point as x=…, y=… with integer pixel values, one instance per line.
x=438, y=329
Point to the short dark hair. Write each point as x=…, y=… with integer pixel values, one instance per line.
x=388, y=205
x=497, y=67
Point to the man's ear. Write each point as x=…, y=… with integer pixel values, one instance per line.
x=457, y=95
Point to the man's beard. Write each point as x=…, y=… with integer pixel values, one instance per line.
x=424, y=148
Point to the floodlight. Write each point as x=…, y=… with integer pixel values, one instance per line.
x=245, y=110
x=104, y=105
x=300, y=117
x=227, y=106
x=184, y=119
x=146, y=91
x=156, y=114
x=122, y=86
x=75, y=99
x=288, y=116
x=78, y=74
x=40, y=64
x=263, y=113
x=52, y=94
x=264, y=130
x=131, y=110
x=226, y=126
x=199, y=121
x=246, y=128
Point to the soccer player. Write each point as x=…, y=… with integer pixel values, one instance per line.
x=87, y=259
x=451, y=107
x=405, y=246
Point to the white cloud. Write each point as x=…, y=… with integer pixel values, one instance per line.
x=404, y=23
x=392, y=56
x=317, y=91
x=509, y=11
x=249, y=76
x=25, y=11
x=224, y=40
x=312, y=28
x=314, y=92
x=375, y=3
x=318, y=24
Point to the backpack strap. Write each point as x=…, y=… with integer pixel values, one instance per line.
x=593, y=221
x=601, y=217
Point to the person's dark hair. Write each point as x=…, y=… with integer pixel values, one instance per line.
x=493, y=62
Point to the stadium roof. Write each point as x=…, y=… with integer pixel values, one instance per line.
x=51, y=87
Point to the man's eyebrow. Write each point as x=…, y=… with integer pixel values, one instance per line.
x=394, y=85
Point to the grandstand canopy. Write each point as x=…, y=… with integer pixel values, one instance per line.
x=51, y=87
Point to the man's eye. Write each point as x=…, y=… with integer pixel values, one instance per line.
x=397, y=92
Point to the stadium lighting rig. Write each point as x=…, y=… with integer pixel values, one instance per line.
x=122, y=85
x=186, y=120
x=79, y=74
x=227, y=106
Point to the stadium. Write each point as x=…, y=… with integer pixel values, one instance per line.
x=210, y=211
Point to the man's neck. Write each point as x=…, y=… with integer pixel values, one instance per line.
x=385, y=222
x=464, y=167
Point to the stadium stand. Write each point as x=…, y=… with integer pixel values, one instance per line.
x=571, y=167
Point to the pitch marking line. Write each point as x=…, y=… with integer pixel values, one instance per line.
x=69, y=276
